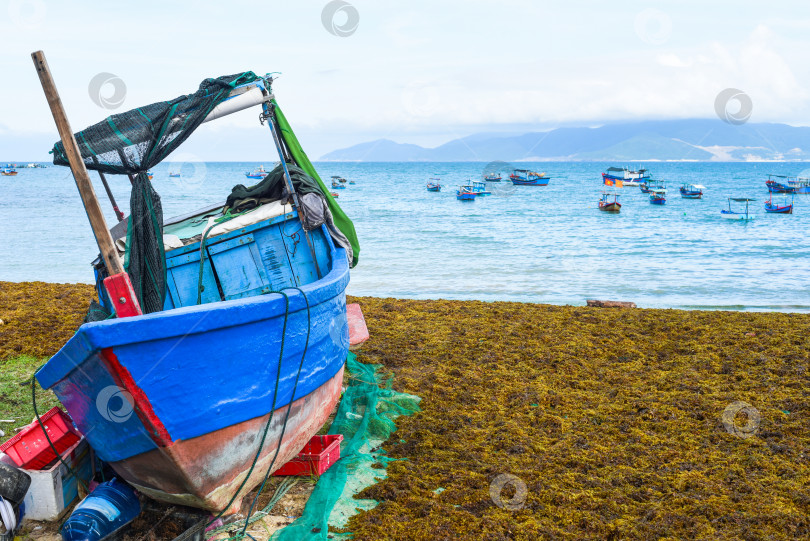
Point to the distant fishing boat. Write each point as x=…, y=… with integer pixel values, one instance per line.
x=174, y=174
x=334, y=194
x=494, y=177
x=606, y=205
x=259, y=172
x=622, y=176
x=658, y=196
x=352, y=182
x=649, y=185
x=8, y=172
x=480, y=188
x=434, y=185
x=338, y=186
x=775, y=208
x=732, y=214
x=790, y=184
x=526, y=177
x=692, y=191
x=465, y=193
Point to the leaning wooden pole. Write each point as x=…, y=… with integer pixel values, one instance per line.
x=118, y=285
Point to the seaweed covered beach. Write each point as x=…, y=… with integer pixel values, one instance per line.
x=555, y=422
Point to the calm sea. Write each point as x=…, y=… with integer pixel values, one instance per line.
x=547, y=244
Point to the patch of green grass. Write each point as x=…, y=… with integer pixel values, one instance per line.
x=15, y=392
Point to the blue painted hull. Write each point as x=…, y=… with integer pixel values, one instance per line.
x=164, y=395
x=465, y=196
x=536, y=182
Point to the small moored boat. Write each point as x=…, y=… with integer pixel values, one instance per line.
x=434, y=185
x=526, y=177
x=259, y=172
x=692, y=191
x=466, y=193
x=493, y=177
x=623, y=176
x=658, y=196
x=773, y=207
x=8, y=172
x=480, y=188
x=610, y=202
x=731, y=214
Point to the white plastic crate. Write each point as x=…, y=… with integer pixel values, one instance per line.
x=54, y=489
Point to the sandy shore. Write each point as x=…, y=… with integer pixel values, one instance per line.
x=560, y=422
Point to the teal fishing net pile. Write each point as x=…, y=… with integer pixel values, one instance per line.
x=365, y=418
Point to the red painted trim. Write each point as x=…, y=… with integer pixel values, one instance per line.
x=142, y=406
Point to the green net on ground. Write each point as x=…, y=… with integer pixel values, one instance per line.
x=341, y=220
x=365, y=418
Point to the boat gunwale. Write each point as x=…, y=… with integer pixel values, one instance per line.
x=93, y=337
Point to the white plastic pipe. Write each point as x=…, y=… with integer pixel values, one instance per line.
x=242, y=98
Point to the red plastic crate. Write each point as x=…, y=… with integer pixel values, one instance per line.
x=316, y=457
x=30, y=450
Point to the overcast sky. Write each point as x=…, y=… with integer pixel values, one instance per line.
x=419, y=71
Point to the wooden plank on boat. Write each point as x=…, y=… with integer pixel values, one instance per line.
x=358, y=332
x=610, y=304
x=117, y=284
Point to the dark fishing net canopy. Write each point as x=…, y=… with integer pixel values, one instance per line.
x=135, y=141
x=131, y=143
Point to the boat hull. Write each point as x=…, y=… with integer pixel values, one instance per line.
x=658, y=201
x=206, y=471
x=730, y=215
x=610, y=207
x=537, y=182
x=175, y=400
x=774, y=209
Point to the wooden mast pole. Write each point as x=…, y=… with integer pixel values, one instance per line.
x=118, y=285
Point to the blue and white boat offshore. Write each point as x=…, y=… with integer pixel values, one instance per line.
x=731, y=214
x=627, y=176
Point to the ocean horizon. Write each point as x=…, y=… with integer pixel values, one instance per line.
x=525, y=244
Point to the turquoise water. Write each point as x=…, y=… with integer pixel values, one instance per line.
x=532, y=244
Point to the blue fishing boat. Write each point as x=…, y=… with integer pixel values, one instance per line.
x=466, y=193
x=8, y=172
x=787, y=184
x=259, y=172
x=731, y=214
x=494, y=177
x=623, y=176
x=434, y=185
x=658, y=196
x=773, y=207
x=237, y=360
x=525, y=177
x=692, y=191
x=480, y=188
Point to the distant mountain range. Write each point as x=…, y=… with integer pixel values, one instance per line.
x=665, y=140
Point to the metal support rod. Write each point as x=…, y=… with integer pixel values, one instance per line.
x=266, y=107
x=118, y=213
